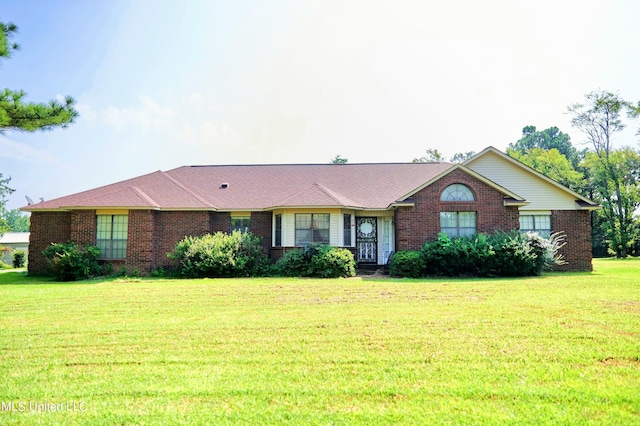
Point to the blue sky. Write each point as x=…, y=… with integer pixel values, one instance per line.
x=160, y=84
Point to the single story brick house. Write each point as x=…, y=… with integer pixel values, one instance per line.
x=373, y=209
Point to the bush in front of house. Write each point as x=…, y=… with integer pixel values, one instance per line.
x=483, y=255
x=317, y=260
x=70, y=262
x=19, y=258
x=238, y=254
x=407, y=263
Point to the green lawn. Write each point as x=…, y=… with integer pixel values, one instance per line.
x=556, y=349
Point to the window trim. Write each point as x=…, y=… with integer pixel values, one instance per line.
x=543, y=232
x=456, y=214
x=277, y=230
x=296, y=239
x=347, y=239
x=109, y=253
x=456, y=188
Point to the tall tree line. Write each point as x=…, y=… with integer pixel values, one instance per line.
x=605, y=173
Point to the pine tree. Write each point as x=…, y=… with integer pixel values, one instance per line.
x=18, y=115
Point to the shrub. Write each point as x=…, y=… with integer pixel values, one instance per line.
x=498, y=254
x=332, y=262
x=220, y=255
x=408, y=263
x=317, y=260
x=19, y=258
x=547, y=250
x=293, y=264
x=514, y=255
x=458, y=256
x=68, y=262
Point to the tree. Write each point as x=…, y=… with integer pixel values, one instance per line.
x=547, y=139
x=4, y=192
x=461, y=157
x=339, y=160
x=15, y=113
x=610, y=171
x=620, y=198
x=18, y=115
x=15, y=220
x=435, y=156
x=432, y=156
x=551, y=163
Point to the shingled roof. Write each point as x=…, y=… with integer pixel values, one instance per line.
x=258, y=187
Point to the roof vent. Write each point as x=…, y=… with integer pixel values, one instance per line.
x=224, y=185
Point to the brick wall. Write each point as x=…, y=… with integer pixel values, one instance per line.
x=420, y=223
x=576, y=225
x=220, y=222
x=261, y=227
x=46, y=228
x=140, y=245
x=83, y=227
x=171, y=227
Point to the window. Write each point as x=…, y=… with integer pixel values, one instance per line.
x=241, y=223
x=347, y=230
x=540, y=223
x=111, y=235
x=312, y=228
x=278, y=241
x=458, y=224
x=457, y=192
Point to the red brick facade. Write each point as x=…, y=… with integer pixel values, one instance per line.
x=576, y=226
x=46, y=227
x=153, y=234
x=420, y=223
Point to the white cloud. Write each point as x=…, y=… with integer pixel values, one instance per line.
x=21, y=152
x=149, y=114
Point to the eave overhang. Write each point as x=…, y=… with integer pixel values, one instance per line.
x=510, y=202
x=582, y=205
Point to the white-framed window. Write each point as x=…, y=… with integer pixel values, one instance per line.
x=278, y=231
x=346, y=223
x=458, y=224
x=540, y=223
x=111, y=235
x=311, y=228
x=457, y=192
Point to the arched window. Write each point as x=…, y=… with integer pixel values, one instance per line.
x=457, y=192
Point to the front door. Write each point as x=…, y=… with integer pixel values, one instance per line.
x=366, y=239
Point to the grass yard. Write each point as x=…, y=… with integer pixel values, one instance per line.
x=557, y=349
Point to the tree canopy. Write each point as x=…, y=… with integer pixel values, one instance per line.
x=18, y=115
x=613, y=173
x=338, y=159
x=432, y=155
x=551, y=163
x=547, y=139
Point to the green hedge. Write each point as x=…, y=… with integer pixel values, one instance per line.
x=407, y=263
x=498, y=254
x=317, y=260
x=70, y=262
x=221, y=255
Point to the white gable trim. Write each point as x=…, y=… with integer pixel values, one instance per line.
x=582, y=203
x=470, y=172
